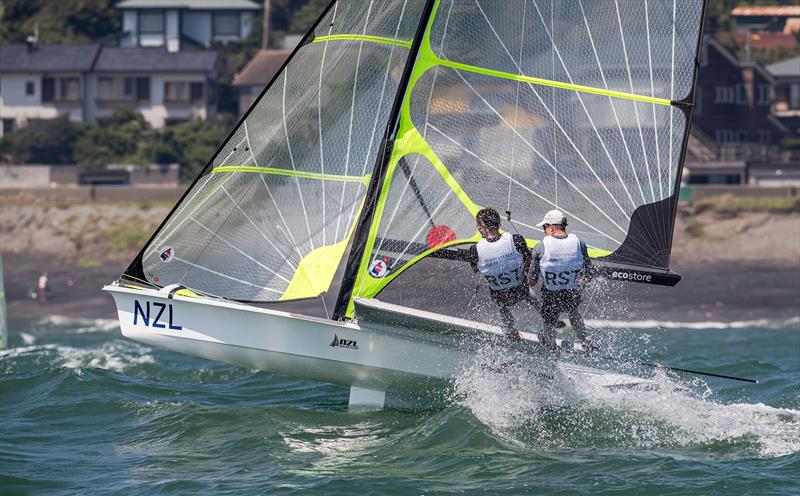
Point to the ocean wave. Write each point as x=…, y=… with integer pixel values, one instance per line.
x=78, y=325
x=544, y=408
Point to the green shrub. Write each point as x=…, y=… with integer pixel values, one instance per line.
x=695, y=229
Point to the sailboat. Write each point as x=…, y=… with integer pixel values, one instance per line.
x=326, y=239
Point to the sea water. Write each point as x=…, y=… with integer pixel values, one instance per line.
x=85, y=411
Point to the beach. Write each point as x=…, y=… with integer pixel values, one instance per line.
x=743, y=267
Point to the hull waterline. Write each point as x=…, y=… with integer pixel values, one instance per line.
x=383, y=365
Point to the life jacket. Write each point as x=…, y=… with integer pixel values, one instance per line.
x=500, y=263
x=561, y=262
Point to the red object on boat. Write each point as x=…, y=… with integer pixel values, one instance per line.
x=439, y=235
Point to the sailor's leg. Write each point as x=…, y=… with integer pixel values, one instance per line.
x=550, y=312
x=571, y=304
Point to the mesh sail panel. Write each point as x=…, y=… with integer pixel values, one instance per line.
x=531, y=105
x=270, y=218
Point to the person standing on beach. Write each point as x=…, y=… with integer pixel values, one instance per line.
x=564, y=264
x=504, y=261
x=42, y=287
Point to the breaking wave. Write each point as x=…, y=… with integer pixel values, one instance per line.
x=538, y=405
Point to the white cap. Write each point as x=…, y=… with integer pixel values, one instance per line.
x=553, y=217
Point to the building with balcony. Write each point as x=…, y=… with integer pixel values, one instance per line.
x=43, y=82
x=87, y=82
x=185, y=24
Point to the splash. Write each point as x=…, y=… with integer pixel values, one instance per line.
x=540, y=405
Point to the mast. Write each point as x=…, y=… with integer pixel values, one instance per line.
x=358, y=243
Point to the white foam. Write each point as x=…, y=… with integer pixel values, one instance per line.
x=519, y=405
x=79, y=325
x=793, y=322
x=114, y=356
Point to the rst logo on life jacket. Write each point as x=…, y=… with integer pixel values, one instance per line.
x=561, y=262
x=500, y=263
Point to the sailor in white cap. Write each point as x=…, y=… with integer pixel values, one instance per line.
x=563, y=263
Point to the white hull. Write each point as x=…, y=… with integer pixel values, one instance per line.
x=384, y=366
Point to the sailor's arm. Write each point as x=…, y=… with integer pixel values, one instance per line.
x=522, y=247
x=536, y=256
x=588, y=270
x=472, y=256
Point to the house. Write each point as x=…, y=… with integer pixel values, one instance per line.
x=87, y=82
x=164, y=87
x=43, y=82
x=737, y=123
x=252, y=79
x=786, y=107
x=733, y=99
x=259, y=71
x=185, y=24
x=767, y=26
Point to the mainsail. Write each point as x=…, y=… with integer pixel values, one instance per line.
x=395, y=121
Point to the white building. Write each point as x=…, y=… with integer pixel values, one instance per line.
x=87, y=82
x=164, y=87
x=43, y=82
x=181, y=24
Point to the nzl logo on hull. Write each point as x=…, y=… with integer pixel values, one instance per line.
x=157, y=315
x=344, y=343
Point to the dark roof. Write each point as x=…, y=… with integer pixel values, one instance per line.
x=262, y=68
x=155, y=60
x=47, y=58
x=190, y=4
x=789, y=68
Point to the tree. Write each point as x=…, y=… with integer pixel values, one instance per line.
x=43, y=141
x=62, y=21
x=124, y=137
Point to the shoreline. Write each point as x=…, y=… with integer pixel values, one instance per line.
x=715, y=292
x=735, y=267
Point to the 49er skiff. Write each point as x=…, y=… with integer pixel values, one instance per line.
x=360, y=167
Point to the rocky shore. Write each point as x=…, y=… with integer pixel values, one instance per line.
x=735, y=267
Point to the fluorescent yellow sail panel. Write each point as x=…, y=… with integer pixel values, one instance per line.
x=315, y=272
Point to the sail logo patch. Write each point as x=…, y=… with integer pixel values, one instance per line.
x=344, y=343
x=631, y=276
x=378, y=268
x=166, y=254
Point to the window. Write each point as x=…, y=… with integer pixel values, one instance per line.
x=8, y=126
x=151, y=23
x=111, y=89
x=764, y=137
x=741, y=94
x=196, y=91
x=30, y=88
x=723, y=94
x=69, y=89
x=794, y=96
x=48, y=89
x=226, y=24
x=143, y=89
x=766, y=94
x=127, y=89
x=176, y=91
